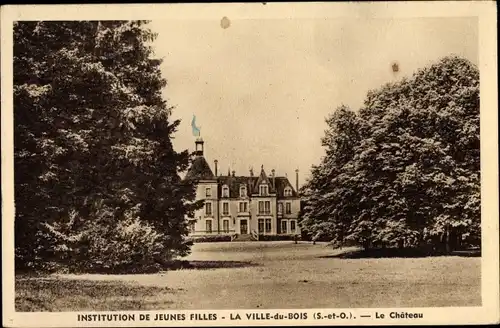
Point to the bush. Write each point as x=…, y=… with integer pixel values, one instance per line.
x=210, y=239
x=104, y=245
x=278, y=237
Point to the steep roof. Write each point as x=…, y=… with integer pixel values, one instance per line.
x=281, y=183
x=200, y=170
x=261, y=178
x=252, y=183
x=234, y=183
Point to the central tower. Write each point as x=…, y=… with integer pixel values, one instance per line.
x=199, y=146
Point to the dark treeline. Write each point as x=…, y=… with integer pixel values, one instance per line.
x=404, y=170
x=97, y=180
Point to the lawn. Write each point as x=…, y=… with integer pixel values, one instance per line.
x=241, y=275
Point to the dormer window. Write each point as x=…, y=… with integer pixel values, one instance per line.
x=264, y=190
x=288, y=192
x=243, y=191
x=225, y=191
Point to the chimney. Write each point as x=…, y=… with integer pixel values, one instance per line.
x=215, y=162
x=297, y=180
x=251, y=172
x=233, y=173
x=273, y=175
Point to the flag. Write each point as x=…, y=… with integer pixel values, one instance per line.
x=196, y=130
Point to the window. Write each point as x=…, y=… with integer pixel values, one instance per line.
x=208, y=209
x=225, y=226
x=209, y=226
x=283, y=226
x=264, y=207
x=288, y=208
x=288, y=192
x=208, y=192
x=243, y=207
x=263, y=190
x=261, y=225
x=225, y=208
x=243, y=191
x=268, y=225
x=292, y=226
x=280, y=208
x=225, y=191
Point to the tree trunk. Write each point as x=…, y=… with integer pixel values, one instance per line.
x=447, y=240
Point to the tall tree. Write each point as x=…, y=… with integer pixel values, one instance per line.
x=323, y=195
x=93, y=152
x=414, y=175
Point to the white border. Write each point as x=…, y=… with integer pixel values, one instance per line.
x=486, y=13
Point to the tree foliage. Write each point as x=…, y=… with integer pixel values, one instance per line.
x=93, y=151
x=404, y=170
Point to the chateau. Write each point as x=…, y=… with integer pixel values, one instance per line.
x=245, y=205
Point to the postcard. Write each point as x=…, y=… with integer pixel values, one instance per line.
x=256, y=164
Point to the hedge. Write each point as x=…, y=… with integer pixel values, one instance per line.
x=278, y=237
x=210, y=239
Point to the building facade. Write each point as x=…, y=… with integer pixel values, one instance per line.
x=253, y=204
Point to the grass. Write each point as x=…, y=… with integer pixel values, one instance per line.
x=241, y=275
x=52, y=294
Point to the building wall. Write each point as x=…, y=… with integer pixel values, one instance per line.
x=230, y=216
x=234, y=217
x=239, y=216
x=256, y=215
x=289, y=217
x=295, y=208
x=200, y=215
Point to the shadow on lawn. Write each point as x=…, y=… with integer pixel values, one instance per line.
x=138, y=268
x=206, y=265
x=399, y=253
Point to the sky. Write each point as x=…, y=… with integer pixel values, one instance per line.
x=261, y=89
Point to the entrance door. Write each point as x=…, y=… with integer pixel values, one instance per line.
x=244, y=227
